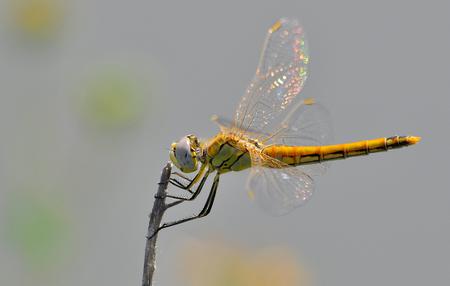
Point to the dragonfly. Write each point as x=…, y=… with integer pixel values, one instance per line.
x=281, y=135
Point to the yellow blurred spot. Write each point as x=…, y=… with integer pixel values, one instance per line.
x=38, y=18
x=218, y=264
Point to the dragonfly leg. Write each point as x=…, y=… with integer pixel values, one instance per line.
x=204, y=212
x=187, y=187
x=178, y=184
x=182, y=176
x=196, y=192
x=172, y=204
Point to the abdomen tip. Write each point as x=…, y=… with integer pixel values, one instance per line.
x=413, y=139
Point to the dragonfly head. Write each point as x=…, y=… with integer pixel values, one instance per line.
x=184, y=153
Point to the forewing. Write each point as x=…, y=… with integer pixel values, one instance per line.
x=226, y=125
x=279, y=78
x=277, y=187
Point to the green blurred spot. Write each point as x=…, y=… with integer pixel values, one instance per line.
x=37, y=228
x=112, y=100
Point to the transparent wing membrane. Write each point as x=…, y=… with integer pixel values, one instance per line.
x=278, y=188
x=279, y=78
x=307, y=124
x=226, y=124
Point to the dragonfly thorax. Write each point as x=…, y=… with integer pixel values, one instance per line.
x=184, y=153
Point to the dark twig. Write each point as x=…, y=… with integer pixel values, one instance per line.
x=159, y=207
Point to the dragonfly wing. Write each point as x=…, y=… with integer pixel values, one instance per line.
x=279, y=78
x=307, y=124
x=226, y=124
x=277, y=187
x=272, y=112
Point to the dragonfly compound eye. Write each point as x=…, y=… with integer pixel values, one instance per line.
x=183, y=155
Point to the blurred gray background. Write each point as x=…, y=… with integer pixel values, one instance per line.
x=92, y=93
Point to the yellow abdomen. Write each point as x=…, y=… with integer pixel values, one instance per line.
x=299, y=155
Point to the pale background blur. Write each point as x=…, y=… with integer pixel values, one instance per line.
x=92, y=93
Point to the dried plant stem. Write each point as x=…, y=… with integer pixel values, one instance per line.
x=159, y=207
